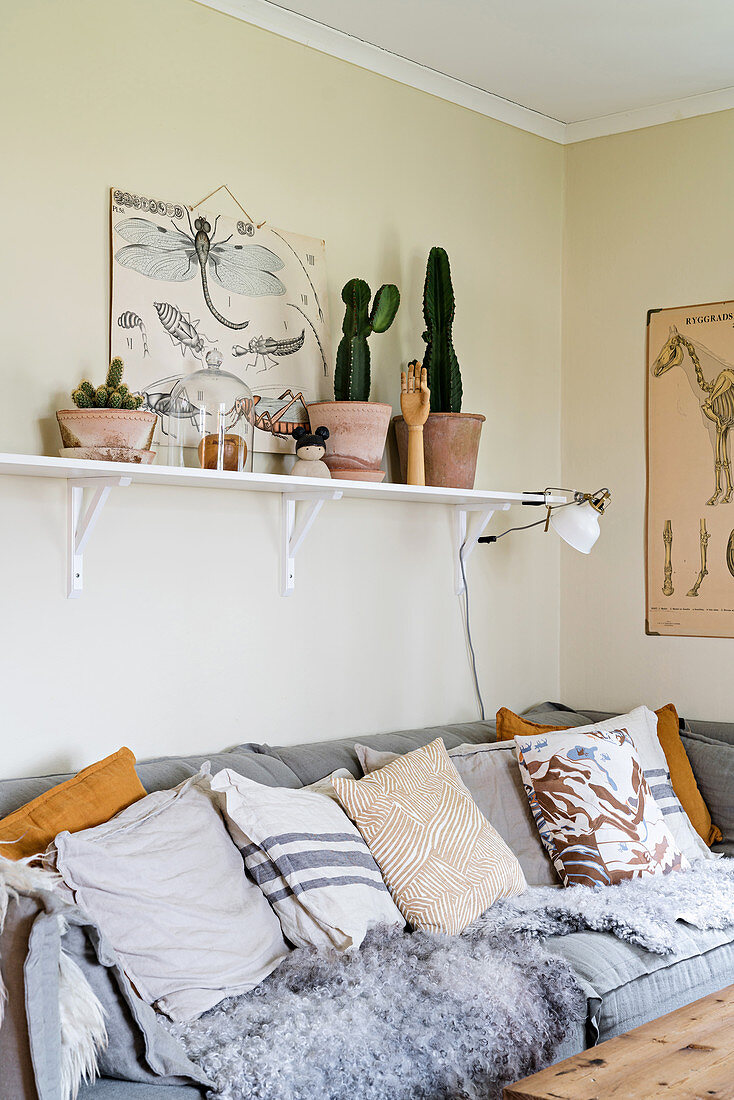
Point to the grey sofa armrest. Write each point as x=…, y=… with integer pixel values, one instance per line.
x=713, y=767
x=139, y=1049
x=16, y=1066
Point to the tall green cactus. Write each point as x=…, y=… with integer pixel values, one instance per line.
x=114, y=394
x=352, y=378
x=439, y=306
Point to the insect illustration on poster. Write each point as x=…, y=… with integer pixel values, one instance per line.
x=185, y=283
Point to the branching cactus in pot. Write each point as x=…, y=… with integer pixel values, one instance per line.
x=450, y=437
x=357, y=426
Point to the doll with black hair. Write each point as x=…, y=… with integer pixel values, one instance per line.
x=310, y=451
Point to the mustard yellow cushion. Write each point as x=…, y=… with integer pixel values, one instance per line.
x=93, y=796
x=684, y=784
x=442, y=860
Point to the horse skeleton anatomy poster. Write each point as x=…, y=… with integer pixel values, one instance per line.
x=185, y=283
x=690, y=492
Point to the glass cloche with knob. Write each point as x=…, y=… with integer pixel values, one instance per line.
x=210, y=420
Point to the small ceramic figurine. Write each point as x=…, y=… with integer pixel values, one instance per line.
x=310, y=450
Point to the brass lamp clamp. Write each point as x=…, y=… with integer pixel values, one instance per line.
x=599, y=501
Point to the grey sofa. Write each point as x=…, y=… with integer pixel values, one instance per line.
x=625, y=986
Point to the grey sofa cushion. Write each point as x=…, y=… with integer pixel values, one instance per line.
x=713, y=766
x=164, y=772
x=627, y=986
x=107, y=1089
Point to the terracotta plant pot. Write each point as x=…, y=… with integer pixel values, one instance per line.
x=107, y=428
x=357, y=435
x=451, y=444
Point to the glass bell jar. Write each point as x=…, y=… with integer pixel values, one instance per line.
x=210, y=420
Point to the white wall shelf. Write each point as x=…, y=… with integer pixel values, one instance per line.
x=302, y=500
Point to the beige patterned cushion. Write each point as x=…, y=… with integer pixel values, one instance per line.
x=493, y=779
x=594, y=809
x=441, y=858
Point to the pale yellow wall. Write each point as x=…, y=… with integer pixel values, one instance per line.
x=648, y=224
x=181, y=641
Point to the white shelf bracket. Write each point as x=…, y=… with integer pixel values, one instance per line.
x=294, y=526
x=466, y=535
x=80, y=526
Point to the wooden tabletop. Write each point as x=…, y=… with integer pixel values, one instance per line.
x=686, y=1055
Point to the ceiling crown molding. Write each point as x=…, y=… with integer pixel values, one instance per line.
x=672, y=111
x=289, y=24
x=318, y=36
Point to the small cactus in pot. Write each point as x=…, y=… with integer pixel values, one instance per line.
x=108, y=421
x=112, y=394
x=357, y=426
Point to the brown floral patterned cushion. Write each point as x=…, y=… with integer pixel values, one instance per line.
x=594, y=809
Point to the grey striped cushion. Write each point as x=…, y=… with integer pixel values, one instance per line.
x=292, y=864
x=308, y=859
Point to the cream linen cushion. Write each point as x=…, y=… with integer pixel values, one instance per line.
x=443, y=861
x=594, y=809
x=308, y=859
x=166, y=886
x=493, y=779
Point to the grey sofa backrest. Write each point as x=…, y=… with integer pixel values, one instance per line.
x=297, y=765
x=717, y=731
x=314, y=761
x=164, y=772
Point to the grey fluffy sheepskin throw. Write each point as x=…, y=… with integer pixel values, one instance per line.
x=424, y=1017
x=408, y=1016
x=642, y=911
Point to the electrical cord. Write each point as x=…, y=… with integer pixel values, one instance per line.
x=526, y=527
x=470, y=643
x=468, y=633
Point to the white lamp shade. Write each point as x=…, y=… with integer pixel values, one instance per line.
x=578, y=525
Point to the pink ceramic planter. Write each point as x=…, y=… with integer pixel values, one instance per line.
x=451, y=444
x=357, y=435
x=131, y=429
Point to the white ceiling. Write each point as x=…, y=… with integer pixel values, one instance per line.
x=558, y=66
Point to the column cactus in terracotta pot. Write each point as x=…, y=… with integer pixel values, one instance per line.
x=357, y=426
x=450, y=437
x=108, y=422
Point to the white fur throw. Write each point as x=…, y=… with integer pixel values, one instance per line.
x=640, y=911
x=83, y=1032
x=418, y=1016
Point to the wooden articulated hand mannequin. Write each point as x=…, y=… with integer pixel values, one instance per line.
x=415, y=405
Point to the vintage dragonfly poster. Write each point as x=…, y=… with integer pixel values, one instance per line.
x=186, y=282
x=690, y=490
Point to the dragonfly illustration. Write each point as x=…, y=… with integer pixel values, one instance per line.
x=175, y=256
